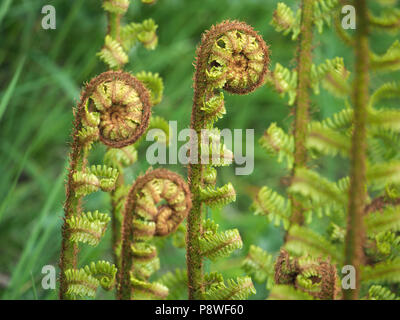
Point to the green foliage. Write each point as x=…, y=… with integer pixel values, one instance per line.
x=220, y=244
x=376, y=292
x=286, y=292
x=231, y=290
x=113, y=54
x=89, y=227
x=260, y=265
x=218, y=197
x=382, y=272
x=389, y=61
x=84, y=282
x=303, y=241
x=176, y=282
x=277, y=143
x=269, y=203
x=154, y=83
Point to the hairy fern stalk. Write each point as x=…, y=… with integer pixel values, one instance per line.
x=363, y=208
x=115, y=109
x=234, y=58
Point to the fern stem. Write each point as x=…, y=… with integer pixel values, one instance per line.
x=357, y=192
x=239, y=80
x=114, y=24
x=303, y=99
x=116, y=224
x=68, y=258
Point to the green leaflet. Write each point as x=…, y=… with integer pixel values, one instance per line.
x=88, y=228
x=381, y=174
x=221, y=244
x=154, y=83
x=284, y=20
x=388, y=20
x=310, y=184
x=272, y=205
x=113, y=54
x=143, y=290
x=120, y=158
x=84, y=282
x=284, y=81
x=260, y=265
x=176, y=282
x=144, y=32
x=104, y=272
x=303, y=241
x=218, y=197
x=389, y=61
x=232, y=290
x=327, y=141
x=387, y=271
x=387, y=220
x=377, y=292
x=277, y=143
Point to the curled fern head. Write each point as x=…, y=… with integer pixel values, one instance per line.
x=235, y=57
x=119, y=105
x=157, y=186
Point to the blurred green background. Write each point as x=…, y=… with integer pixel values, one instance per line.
x=41, y=73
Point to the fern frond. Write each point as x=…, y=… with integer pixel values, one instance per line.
x=85, y=183
x=176, y=282
x=389, y=61
x=113, y=54
x=142, y=290
x=340, y=120
x=286, y=292
x=209, y=176
x=88, y=135
x=122, y=157
x=104, y=272
x=387, y=271
x=377, y=292
x=389, y=20
x=322, y=13
x=386, y=91
x=210, y=226
x=239, y=290
x=284, y=20
x=107, y=176
x=221, y=244
x=284, y=81
x=144, y=32
x=272, y=205
x=154, y=83
x=334, y=76
x=327, y=141
x=80, y=284
x=381, y=174
x=303, y=241
x=277, y=143
x=211, y=279
x=214, y=108
x=218, y=197
x=259, y=264
x=310, y=184
x=387, y=220
x=88, y=228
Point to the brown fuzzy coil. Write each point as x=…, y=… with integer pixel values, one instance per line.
x=122, y=104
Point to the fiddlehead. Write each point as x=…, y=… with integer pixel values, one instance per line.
x=231, y=57
x=114, y=108
x=156, y=205
x=316, y=278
